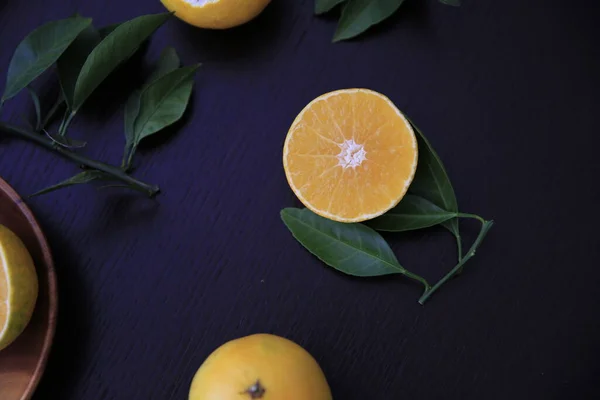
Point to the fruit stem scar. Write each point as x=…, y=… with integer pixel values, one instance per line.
x=256, y=391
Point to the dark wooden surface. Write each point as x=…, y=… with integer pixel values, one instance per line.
x=507, y=91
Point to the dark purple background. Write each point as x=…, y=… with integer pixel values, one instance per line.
x=505, y=90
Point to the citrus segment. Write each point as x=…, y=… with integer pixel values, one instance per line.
x=350, y=155
x=18, y=287
x=216, y=14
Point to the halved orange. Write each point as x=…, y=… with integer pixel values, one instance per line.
x=18, y=287
x=350, y=155
x=216, y=14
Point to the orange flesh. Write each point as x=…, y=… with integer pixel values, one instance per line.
x=221, y=14
x=3, y=294
x=372, y=184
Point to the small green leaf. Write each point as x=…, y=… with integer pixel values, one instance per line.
x=70, y=63
x=360, y=15
x=454, y=3
x=39, y=50
x=323, y=6
x=117, y=47
x=353, y=249
x=81, y=178
x=432, y=182
x=412, y=213
x=36, y=105
x=107, y=30
x=168, y=62
x=132, y=109
x=162, y=103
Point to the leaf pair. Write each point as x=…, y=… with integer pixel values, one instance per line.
x=95, y=54
x=360, y=15
x=39, y=50
x=358, y=250
x=85, y=56
x=159, y=103
x=118, y=46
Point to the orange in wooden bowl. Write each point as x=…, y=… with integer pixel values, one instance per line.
x=18, y=287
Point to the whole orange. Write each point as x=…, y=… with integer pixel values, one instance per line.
x=260, y=366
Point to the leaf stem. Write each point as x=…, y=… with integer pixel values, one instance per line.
x=36, y=105
x=485, y=227
x=62, y=122
x=459, y=247
x=67, y=122
x=472, y=216
x=128, y=157
x=116, y=173
x=52, y=112
x=459, y=250
x=418, y=278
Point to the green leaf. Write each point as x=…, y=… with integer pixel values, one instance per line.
x=161, y=104
x=107, y=30
x=168, y=62
x=360, y=15
x=412, y=213
x=117, y=47
x=39, y=50
x=132, y=109
x=432, y=182
x=323, y=6
x=81, y=178
x=70, y=63
x=36, y=105
x=353, y=249
x=454, y=3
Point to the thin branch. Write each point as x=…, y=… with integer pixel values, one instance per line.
x=116, y=173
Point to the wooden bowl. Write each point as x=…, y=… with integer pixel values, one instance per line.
x=22, y=363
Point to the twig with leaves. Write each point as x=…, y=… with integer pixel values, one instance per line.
x=357, y=249
x=84, y=57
